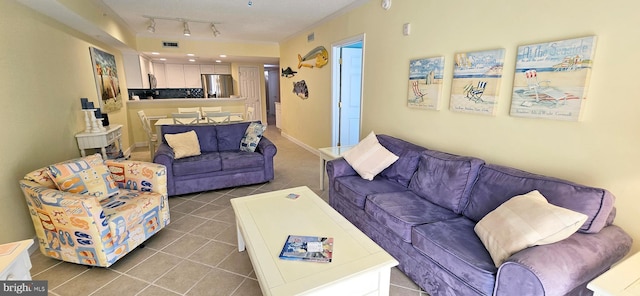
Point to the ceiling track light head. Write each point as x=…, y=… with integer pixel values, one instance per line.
x=214, y=30
x=187, y=32
x=152, y=26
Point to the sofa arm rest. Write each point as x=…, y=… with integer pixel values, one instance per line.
x=268, y=151
x=165, y=156
x=559, y=268
x=339, y=168
x=139, y=175
x=266, y=147
x=61, y=217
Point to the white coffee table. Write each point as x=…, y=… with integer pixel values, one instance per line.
x=359, y=266
x=330, y=153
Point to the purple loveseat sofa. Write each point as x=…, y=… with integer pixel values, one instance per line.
x=423, y=209
x=221, y=164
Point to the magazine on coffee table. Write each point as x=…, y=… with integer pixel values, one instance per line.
x=307, y=248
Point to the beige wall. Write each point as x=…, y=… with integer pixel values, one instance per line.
x=601, y=150
x=46, y=69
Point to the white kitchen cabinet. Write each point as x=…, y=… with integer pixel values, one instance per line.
x=175, y=75
x=192, y=76
x=215, y=69
x=146, y=68
x=207, y=69
x=222, y=69
x=159, y=70
x=133, y=71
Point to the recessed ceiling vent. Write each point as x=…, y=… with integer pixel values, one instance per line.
x=170, y=44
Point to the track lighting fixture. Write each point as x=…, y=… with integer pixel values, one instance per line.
x=214, y=30
x=187, y=32
x=185, y=24
x=152, y=26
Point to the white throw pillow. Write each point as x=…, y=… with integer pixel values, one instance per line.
x=183, y=144
x=369, y=158
x=525, y=221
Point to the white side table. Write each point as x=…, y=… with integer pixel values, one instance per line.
x=330, y=153
x=100, y=140
x=14, y=261
x=621, y=280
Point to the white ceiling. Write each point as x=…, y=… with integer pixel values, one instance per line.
x=265, y=21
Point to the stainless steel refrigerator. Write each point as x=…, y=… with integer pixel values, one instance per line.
x=217, y=85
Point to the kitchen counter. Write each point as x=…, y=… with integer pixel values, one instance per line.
x=164, y=108
x=207, y=101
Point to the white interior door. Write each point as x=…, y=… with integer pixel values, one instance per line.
x=350, y=93
x=249, y=83
x=346, y=81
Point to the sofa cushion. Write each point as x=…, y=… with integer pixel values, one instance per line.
x=87, y=175
x=41, y=176
x=207, y=135
x=241, y=160
x=183, y=144
x=355, y=189
x=454, y=246
x=496, y=184
x=445, y=179
x=525, y=221
x=203, y=163
x=230, y=135
x=368, y=158
x=403, y=169
x=130, y=208
x=401, y=211
x=252, y=136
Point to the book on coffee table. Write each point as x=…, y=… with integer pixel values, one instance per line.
x=307, y=248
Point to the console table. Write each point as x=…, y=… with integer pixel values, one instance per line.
x=100, y=140
x=330, y=153
x=621, y=279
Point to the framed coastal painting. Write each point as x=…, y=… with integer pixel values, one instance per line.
x=476, y=81
x=107, y=83
x=551, y=79
x=425, y=83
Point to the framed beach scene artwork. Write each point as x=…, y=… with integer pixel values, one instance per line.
x=425, y=83
x=476, y=81
x=551, y=79
x=107, y=83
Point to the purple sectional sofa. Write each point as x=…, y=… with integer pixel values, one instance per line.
x=221, y=164
x=423, y=209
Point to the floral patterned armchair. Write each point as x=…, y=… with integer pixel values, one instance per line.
x=75, y=222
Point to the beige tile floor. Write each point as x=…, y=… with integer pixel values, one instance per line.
x=197, y=253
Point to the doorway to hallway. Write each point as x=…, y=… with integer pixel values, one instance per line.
x=347, y=90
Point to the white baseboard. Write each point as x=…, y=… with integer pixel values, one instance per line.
x=301, y=144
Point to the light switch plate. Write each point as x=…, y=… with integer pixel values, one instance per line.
x=406, y=29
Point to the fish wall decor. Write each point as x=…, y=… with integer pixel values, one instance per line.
x=288, y=72
x=300, y=89
x=319, y=54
